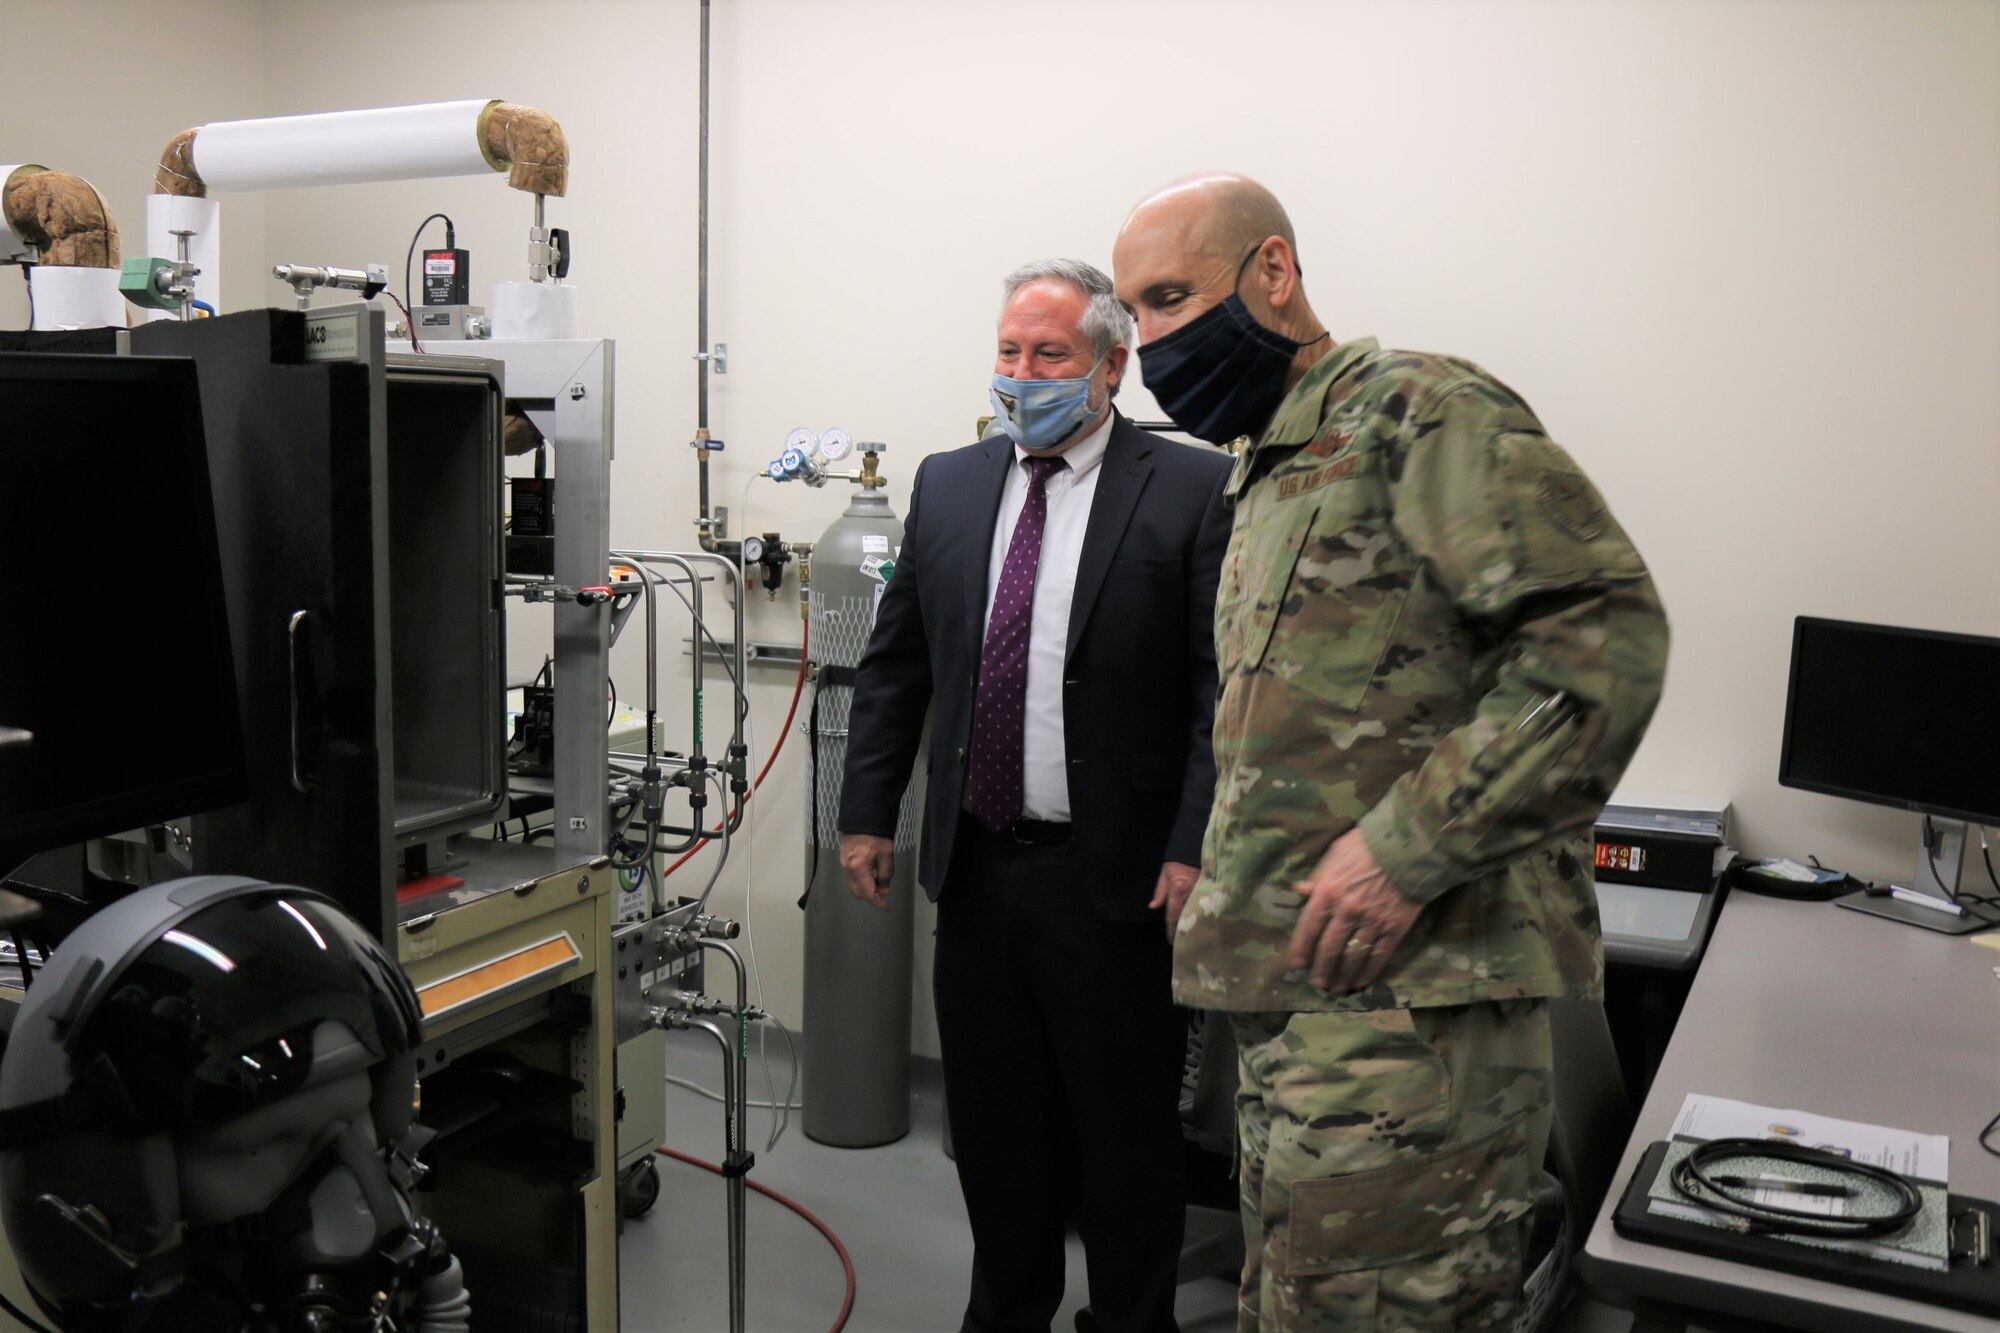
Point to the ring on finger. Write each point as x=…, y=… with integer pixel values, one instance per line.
x=1359, y=945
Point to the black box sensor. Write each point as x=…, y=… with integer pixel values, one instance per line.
x=447, y=277
x=531, y=530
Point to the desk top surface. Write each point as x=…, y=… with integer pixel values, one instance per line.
x=1808, y=1006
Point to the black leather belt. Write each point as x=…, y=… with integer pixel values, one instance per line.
x=1036, y=832
x=1027, y=832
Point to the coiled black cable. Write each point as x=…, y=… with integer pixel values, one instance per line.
x=1690, y=1177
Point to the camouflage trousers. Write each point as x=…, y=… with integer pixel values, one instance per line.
x=1389, y=1162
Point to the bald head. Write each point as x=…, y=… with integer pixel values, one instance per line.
x=1217, y=214
x=1191, y=246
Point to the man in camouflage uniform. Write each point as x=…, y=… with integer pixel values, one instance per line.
x=1438, y=651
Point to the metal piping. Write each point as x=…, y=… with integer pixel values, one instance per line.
x=649, y=775
x=740, y=587
x=701, y=251
x=705, y=525
x=737, y=585
x=739, y=1160
x=736, y=766
x=734, y=1077
x=696, y=760
x=728, y=827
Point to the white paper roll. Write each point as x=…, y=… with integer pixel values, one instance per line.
x=533, y=310
x=203, y=217
x=76, y=298
x=388, y=143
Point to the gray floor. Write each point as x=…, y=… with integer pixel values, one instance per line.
x=896, y=1208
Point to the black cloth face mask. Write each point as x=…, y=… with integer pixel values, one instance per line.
x=1222, y=374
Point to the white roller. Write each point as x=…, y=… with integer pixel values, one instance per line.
x=76, y=298
x=203, y=217
x=343, y=147
x=533, y=310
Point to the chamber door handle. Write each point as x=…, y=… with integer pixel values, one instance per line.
x=300, y=782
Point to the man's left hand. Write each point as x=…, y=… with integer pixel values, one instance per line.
x=1176, y=882
x=1353, y=918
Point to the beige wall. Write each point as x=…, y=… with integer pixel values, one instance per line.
x=1744, y=258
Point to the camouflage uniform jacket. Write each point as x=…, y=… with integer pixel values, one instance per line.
x=1428, y=625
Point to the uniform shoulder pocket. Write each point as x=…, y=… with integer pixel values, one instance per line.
x=1566, y=530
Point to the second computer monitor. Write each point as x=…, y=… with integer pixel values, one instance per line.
x=1899, y=717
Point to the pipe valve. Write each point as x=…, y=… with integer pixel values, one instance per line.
x=556, y=592
x=370, y=282
x=715, y=927
x=161, y=284
x=673, y=1008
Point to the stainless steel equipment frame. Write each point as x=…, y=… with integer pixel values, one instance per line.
x=566, y=388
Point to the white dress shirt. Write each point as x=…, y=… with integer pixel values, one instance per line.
x=1044, y=761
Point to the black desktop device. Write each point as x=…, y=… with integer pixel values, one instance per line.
x=1904, y=718
x=114, y=639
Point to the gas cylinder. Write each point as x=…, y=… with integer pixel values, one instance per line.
x=855, y=1077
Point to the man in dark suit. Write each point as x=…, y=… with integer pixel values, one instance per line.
x=1054, y=603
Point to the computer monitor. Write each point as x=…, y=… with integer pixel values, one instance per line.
x=1898, y=717
x=114, y=638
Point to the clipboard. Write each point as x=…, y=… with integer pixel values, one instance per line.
x=1967, y=1285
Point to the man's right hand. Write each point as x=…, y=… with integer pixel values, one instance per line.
x=869, y=862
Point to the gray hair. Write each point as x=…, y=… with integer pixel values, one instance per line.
x=1105, y=322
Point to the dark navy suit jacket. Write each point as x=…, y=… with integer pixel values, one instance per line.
x=1139, y=686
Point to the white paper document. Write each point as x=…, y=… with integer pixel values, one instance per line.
x=1923, y=1159
x=1920, y=1157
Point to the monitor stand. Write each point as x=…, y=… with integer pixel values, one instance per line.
x=1910, y=914
x=1940, y=858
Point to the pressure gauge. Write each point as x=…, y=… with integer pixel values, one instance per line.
x=753, y=550
x=801, y=439
x=834, y=444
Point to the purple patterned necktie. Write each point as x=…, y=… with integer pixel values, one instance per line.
x=999, y=710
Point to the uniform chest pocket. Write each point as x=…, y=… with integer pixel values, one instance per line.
x=1255, y=577
x=1334, y=619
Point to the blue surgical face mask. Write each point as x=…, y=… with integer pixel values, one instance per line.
x=1044, y=414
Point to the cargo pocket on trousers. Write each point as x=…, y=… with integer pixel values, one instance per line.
x=1373, y=1219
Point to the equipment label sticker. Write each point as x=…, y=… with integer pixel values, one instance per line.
x=333, y=337
x=875, y=541
x=1620, y=856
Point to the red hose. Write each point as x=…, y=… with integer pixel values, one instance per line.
x=798, y=688
x=846, y=1263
